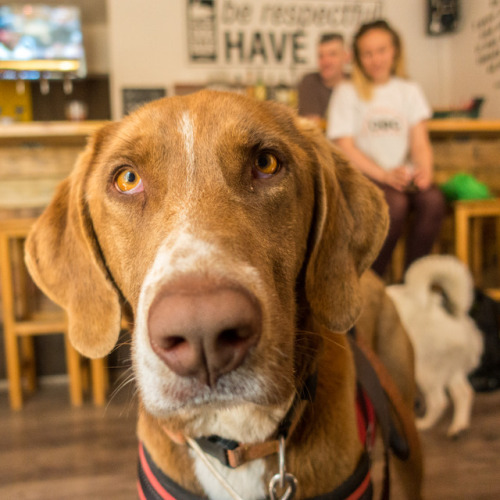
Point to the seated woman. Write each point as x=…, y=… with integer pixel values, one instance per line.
x=378, y=120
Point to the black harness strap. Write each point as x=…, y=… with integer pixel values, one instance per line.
x=153, y=484
x=371, y=383
x=368, y=380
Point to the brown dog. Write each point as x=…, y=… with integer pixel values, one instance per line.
x=237, y=236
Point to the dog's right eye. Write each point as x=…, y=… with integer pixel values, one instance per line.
x=128, y=181
x=266, y=165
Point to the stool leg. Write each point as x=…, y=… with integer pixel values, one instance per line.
x=74, y=372
x=20, y=279
x=462, y=235
x=99, y=380
x=21, y=307
x=11, y=345
x=398, y=261
x=85, y=374
x=29, y=365
x=497, y=236
x=13, y=369
x=477, y=250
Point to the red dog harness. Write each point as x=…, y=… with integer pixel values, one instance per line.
x=153, y=484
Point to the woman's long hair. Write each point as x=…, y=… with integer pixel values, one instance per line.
x=360, y=80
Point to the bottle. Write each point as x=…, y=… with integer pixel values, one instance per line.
x=238, y=87
x=281, y=91
x=250, y=87
x=260, y=90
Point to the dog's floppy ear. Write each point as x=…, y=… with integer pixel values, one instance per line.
x=350, y=224
x=64, y=259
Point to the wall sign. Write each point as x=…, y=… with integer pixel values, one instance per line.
x=487, y=39
x=273, y=33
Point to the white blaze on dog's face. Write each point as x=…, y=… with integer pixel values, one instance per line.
x=221, y=201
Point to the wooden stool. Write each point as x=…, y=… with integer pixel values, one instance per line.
x=469, y=217
x=22, y=320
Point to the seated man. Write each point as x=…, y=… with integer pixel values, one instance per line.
x=315, y=88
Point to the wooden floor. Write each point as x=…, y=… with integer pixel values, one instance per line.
x=50, y=451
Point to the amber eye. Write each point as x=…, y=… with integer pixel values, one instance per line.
x=266, y=164
x=128, y=181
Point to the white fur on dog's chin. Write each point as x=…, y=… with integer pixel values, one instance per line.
x=251, y=424
x=245, y=422
x=163, y=392
x=247, y=480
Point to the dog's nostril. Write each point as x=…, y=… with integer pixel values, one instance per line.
x=172, y=342
x=233, y=336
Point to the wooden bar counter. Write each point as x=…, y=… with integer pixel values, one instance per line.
x=34, y=158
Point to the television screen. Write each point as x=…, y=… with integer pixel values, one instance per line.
x=38, y=41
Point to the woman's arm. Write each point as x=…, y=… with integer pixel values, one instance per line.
x=398, y=178
x=421, y=155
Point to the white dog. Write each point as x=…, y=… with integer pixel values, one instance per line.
x=447, y=343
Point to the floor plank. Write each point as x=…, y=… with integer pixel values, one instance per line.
x=50, y=451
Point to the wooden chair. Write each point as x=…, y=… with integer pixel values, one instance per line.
x=469, y=217
x=23, y=318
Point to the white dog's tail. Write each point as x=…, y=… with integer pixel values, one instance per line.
x=448, y=273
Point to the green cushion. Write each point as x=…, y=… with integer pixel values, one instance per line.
x=465, y=187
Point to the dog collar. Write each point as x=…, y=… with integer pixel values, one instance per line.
x=153, y=484
x=233, y=454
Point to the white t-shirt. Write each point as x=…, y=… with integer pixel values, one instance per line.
x=380, y=127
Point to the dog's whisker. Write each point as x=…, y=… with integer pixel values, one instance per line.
x=128, y=378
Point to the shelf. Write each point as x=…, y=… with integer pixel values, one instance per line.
x=38, y=130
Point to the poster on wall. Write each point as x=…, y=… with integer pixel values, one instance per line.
x=134, y=98
x=486, y=29
x=202, y=30
x=442, y=16
x=269, y=33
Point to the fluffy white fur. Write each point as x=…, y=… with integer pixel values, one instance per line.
x=447, y=343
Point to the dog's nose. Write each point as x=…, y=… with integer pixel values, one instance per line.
x=202, y=330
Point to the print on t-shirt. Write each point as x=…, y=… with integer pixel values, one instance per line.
x=384, y=121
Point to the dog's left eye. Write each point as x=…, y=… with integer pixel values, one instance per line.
x=266, y=165
x=128, y=181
